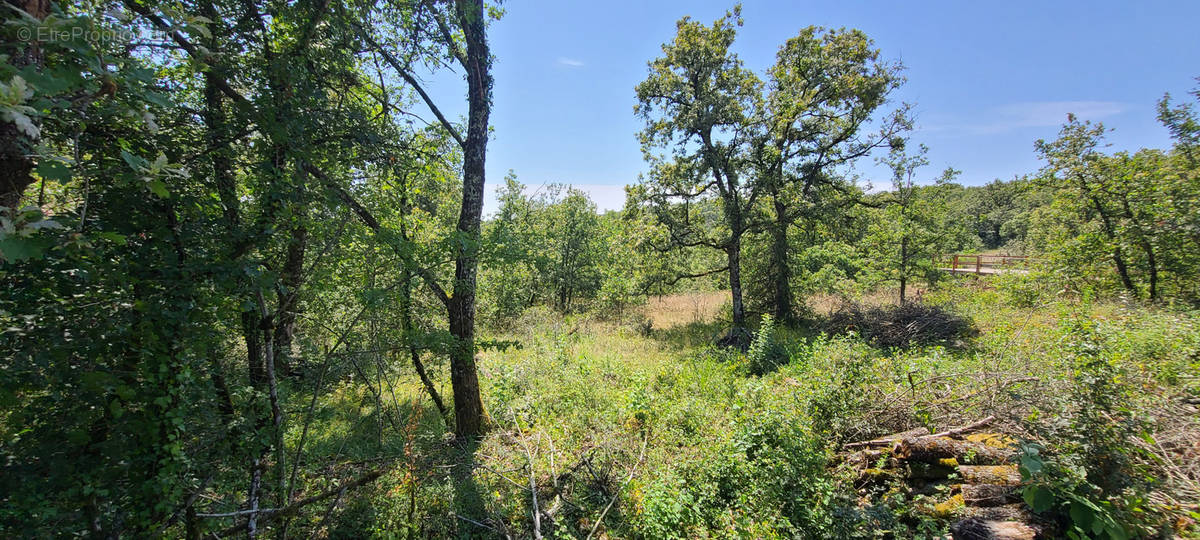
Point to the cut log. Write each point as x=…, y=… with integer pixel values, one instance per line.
x=871, y=477
x=960, y=430
x=864, y=459
x=995, y=440
x=984, y=529
x=887, y=440
x=1008, y=512
x=988, y=494
x=935, y=449
x=1005, y=475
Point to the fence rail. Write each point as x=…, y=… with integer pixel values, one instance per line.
x=983, y=264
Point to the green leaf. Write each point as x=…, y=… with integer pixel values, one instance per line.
x=1031, y=463
x=1082, y=516
x=158, y=187
x=133, y=161
x=20, y=248
x=51, y=169
x=1038, y=498
x=112, y=237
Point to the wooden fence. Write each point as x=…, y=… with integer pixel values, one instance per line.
x=983, y=264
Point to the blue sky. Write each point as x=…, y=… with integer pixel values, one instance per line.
x=987, y=78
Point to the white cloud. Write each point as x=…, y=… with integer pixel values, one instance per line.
x=606, y=196
x=570, y=62
x=1031, y=114
x=1053, y=113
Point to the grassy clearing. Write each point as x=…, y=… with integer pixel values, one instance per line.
x=681, y=441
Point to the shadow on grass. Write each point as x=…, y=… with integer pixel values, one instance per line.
x=469, y=507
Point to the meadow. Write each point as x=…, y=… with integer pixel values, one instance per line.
x=636, y=428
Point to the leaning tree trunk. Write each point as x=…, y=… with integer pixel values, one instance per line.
x=464, y=377
x=1110, y=231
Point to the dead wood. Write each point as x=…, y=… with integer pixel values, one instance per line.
x=932, y=450
x=889, y=439
x=1005, y=475
x=983, y=529
x=988, y=494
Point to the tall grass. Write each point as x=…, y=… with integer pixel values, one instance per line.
x=683, y=441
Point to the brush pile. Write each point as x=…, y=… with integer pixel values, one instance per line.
x=904, y=325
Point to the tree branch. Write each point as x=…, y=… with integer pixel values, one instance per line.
x=412, y=81
x=370, y=221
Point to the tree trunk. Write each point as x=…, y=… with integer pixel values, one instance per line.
x=16, y=165
x=903, y=267
x=1147, y=248
x=216, y=130
x=738, y=336
x=464, y=377
x=1110, y=231
x=414, y=353
x=292, y=279
x=1122, y=270
x=781, y=271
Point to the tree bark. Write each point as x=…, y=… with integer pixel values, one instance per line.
x=291, y=278
x=1144, y=243
x=1110, y=231
x=781, y=270
x=16, y=165
x=414, y=352
x=738, y=336
x=222, y=165
x=464, y=377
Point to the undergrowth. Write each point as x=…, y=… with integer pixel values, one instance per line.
x=681, y=440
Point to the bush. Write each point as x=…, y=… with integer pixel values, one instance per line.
x=1024, y=290
x=769, y=481
x=766, y=353
x=1092, y=480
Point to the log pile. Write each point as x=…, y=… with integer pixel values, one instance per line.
x=968, y=473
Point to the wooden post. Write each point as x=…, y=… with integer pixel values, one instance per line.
x=955, y=267
x=978, y=264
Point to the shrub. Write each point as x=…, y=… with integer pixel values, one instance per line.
x=1024, y=290
x=769, y=481
x=1093, y=480
x=766, y=353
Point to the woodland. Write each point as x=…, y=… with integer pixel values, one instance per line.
x=249, y=289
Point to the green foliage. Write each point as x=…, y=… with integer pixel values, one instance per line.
x=913, y=227
x=1061, y=492
x=1094, y=480
x=1119, y=221
x=236, y=266
x=766, y=352
x=1025, y=289
x=767, y=481
x=554, y=248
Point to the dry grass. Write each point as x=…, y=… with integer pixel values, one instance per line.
x=687, y=308
x=825, y=304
